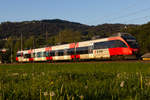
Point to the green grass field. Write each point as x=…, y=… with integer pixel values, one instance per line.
x=75, y=81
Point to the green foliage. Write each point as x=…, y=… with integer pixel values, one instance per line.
x=68, y=36
x=9, y=43
x=29, y=42
x=78, y=81
x=142, y=33
x=5, y=56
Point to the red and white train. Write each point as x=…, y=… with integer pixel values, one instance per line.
x=123, y=44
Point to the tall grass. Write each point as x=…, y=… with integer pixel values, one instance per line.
x=75, y=81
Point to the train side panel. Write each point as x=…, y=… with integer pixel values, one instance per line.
x=101, y=53
x=93, y=49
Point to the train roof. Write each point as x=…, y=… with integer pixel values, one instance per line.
x=55, y=47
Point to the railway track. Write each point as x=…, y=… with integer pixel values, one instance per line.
x=69, y=62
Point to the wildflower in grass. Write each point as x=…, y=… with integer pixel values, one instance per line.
x=60, y=76
x=43, y=73
x=15, y=74
x=86, y=87
x=81, y=97
x=147, y=82
x=72, y=98
x=61, y=90
x=24, y=74
x=141, y=80
x=118, y=75
x=51, y=83
x=52, y=93
x=32, y=74
x=45, y=93
x=137, y=73
x=122, y=84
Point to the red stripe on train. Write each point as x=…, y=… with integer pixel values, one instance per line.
x=49, y=58
x=72, y=56
x=48, y=48
x=72, y=45
x=77, y=45
x=30, y=59
x=29, y=51
x=78, y=56
x=16, y=58
x=120, y=51
x=118, y=38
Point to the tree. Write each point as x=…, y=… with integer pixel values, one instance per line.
x=68, y=36
x=29, y=43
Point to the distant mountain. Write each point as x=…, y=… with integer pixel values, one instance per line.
x=35, y=28
x=53, y=27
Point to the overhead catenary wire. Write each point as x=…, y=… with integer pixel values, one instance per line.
x=130, y=14
x=138, y=18
x=111, y=17
x=116, y=13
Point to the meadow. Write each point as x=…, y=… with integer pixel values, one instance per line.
x=75, y=81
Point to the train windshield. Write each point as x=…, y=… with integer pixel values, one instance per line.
x=131, y=40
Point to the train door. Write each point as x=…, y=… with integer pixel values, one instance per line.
x=90, y=51
x=101, y=50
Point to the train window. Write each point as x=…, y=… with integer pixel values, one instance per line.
x=60, y=52
x=27, y=56
x=44, y=54
x=131, y=41
x=133, y=44
x=109, y=44
x=90, y=49
x=52, y=53
x=18, y=54
x=119, y=43
x=65, y=52
x=70, y=51
x=47, y=54
x=82, y=50
x=39, y=54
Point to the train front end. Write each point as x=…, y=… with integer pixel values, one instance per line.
x=132, y=44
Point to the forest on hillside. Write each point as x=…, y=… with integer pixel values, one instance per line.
x=42, y=33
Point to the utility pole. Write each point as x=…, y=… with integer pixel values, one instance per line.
x=21, y=41
x=46, y=33
x=11, y=52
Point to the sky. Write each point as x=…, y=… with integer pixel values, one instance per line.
x=90, y=12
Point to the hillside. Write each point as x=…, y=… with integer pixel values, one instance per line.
x=46, y=31
x=35, y=28
x=53, y=27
